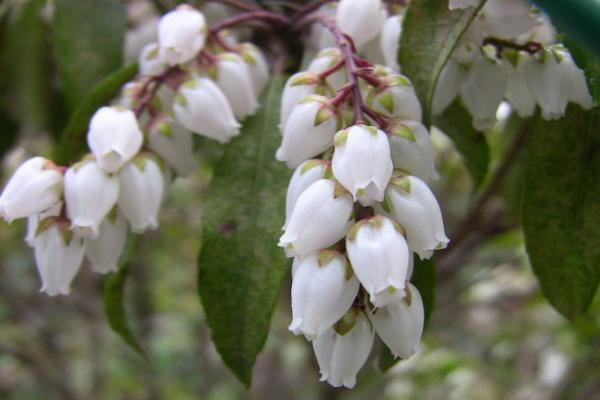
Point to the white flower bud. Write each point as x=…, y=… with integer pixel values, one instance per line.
x=36, y=186
x=305, y=175
x=201, y=107
x=323, y=289
x=396, y=97
x=326, y=59
x=362, y=162
x=140, y=192
x=114, y=137
x=411, y=148
x=105, y=251
x=379, y=256
x=90, y=194
x=484, y=90
x=181, y=35
x=150, y=64
x=342, y=350
x=412, y=204
x=297, y=88
x=554, y=80
x=400, y=325
x=233, y=78
x=361, y=19
x=507, y=19
x=517, y=92
x=257, y=64
x=448, y=86
x=58, y=255
x=33, y=221
x=461, y=4
x=320, y=219
x=309, y=131
x=390, y=39
x=172, y=143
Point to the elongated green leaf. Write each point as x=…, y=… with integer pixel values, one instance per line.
x=429, y=34
x=456, y=123
x=240, y=267
x=8, y=133
x=73, y=142
x=88, y=36
x=424, y=279
x=561, y=210
x=114, y=289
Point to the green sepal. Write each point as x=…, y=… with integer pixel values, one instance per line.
x=401, y=183
x=324, y=257
x=323, y=115
x=386, y=100
x=403, y=131
x=347, y=322
x=339, y=190
x=305, y=78
x=310, y=164
x=341, y=137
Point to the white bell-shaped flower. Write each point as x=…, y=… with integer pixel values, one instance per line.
x=411, y=148
x=173, y=143
x=140, y=192
x=412, y=204
x=308, y=131
x=328, y=58
x=201, y=107
x=320, y=218
x=257, y=64
x=114, y=137
x=484, y=90
x=362, y=162
x=33, y=221
x=517, y=92
x=323, y=289
x=396, y=98
x=462, y=4
x=305, y=175
x=342, y=350
x=150, y=64
x=58, y=255
x=181, y=35
x=297, y=88
x=507, y=19
x=400, y=324
x=379, y=256
x=90, y=193
x=554, y=80
x=390, y=40
x=448, y=86
x=233, y=78
x=105, y=251
x=320, y=37
x=361, y=19
x=35, y=186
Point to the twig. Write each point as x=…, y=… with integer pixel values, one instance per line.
x=250, y=16
x=239, y=4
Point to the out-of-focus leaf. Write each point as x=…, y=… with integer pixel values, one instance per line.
x=424, y=279
x=114, y=289
x=8, y=132
x=88, y=36
x=429, y=34
x=561, y=210
x=72, y=143
x=456, y=123
x=241, y=269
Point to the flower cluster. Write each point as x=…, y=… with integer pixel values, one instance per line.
x=356, y=215
x=509, y=52
x=84, y=210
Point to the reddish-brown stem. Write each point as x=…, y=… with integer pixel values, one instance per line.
x=325, y=73
x=378, y=118
x=221, y=43
x=342, y=95
x=249, y=16
x=149, y=90
x=500, y=44
x=239, y=4
x=368, y=77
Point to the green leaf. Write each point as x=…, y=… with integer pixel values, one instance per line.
x=8, y=133
x=241, y=269
x=73, y=143
x=429, y=34
x=561, y=210
x=424, y=279
x=88, y=36
x=456, y=123
x=114, y=289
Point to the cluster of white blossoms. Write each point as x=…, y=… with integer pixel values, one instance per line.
x=85, y=210
x=358, y=204
x=509, y=52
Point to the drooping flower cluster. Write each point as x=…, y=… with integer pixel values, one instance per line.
x=510, y=52
x=358, y=205
x=85, y=210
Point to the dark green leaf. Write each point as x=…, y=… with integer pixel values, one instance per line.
x=561, y=210
x=240, y=266
x=456, y=123
x=424, y=279
x=73, y=142
x=88, y=36
x=114, y=289
x=430, y=33
x=8, y=133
